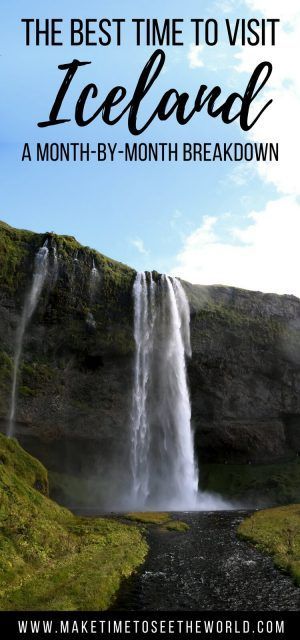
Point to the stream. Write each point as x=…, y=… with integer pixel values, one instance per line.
x=206, y=568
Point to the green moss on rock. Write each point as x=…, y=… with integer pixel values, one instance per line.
x=277, y=533
x=177, y=525
x=5, y=380
x=17, y=251
x=164, y=520
x=50, y=559
x=16, y=246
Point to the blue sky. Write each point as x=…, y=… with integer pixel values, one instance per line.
x=142, y=214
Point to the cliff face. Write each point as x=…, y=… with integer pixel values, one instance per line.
x=76, y=375
x=245, y=374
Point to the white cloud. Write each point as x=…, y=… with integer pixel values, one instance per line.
x=286, y=10
x=279, y=122
x=138, y=243
x=228, y=6
x=194, y=56
x=263, y=256
x=241, y=174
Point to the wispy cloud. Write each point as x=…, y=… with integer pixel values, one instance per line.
x=175, y=218
x=228, y=6
x=193, y=56
x=241, y=174
x=138, y=243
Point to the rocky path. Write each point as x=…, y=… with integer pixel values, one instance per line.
x=207, y=568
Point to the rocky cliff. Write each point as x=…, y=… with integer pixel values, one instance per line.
x=76, y=373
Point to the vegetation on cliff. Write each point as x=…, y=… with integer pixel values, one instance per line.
x=262, y=484
x=276, y=532
x=71, y=299
x=164, y=520
x=17, y=245
x=50, y=559
x=15, y=248
x=81, y=322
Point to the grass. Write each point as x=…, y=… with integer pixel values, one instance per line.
x=69, y=489
x=15, y=247
x=149, y=517
x=276, y=532
x=50, y=559
x=164, y=520
x=177, y=525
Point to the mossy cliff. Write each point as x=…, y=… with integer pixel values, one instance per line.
x=76, y=374
x=50, y=559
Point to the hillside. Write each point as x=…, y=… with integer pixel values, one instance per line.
x=74, y=392
x=50, y=559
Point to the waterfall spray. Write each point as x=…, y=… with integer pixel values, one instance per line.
x=38, y=279
x=164, y=473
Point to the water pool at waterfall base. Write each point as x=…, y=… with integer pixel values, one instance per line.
x=206, y=568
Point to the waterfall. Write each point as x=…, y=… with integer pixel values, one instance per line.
x=38, y=279
x=143, y=335
x=55, y=266
x=164, y=473
x=94, y=280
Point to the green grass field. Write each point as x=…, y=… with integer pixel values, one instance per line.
x=276, y=532
x=50, y=559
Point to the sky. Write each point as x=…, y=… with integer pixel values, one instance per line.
x=230, y=223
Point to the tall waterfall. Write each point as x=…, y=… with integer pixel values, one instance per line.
x=164, y=473
x=38, y=279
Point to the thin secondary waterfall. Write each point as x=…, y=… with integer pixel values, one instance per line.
x=55, y=266
x=164, y=473
x=94, y=281
x=38, y=279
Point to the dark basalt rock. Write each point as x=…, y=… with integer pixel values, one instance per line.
x=75, y=380
x=246, y=362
